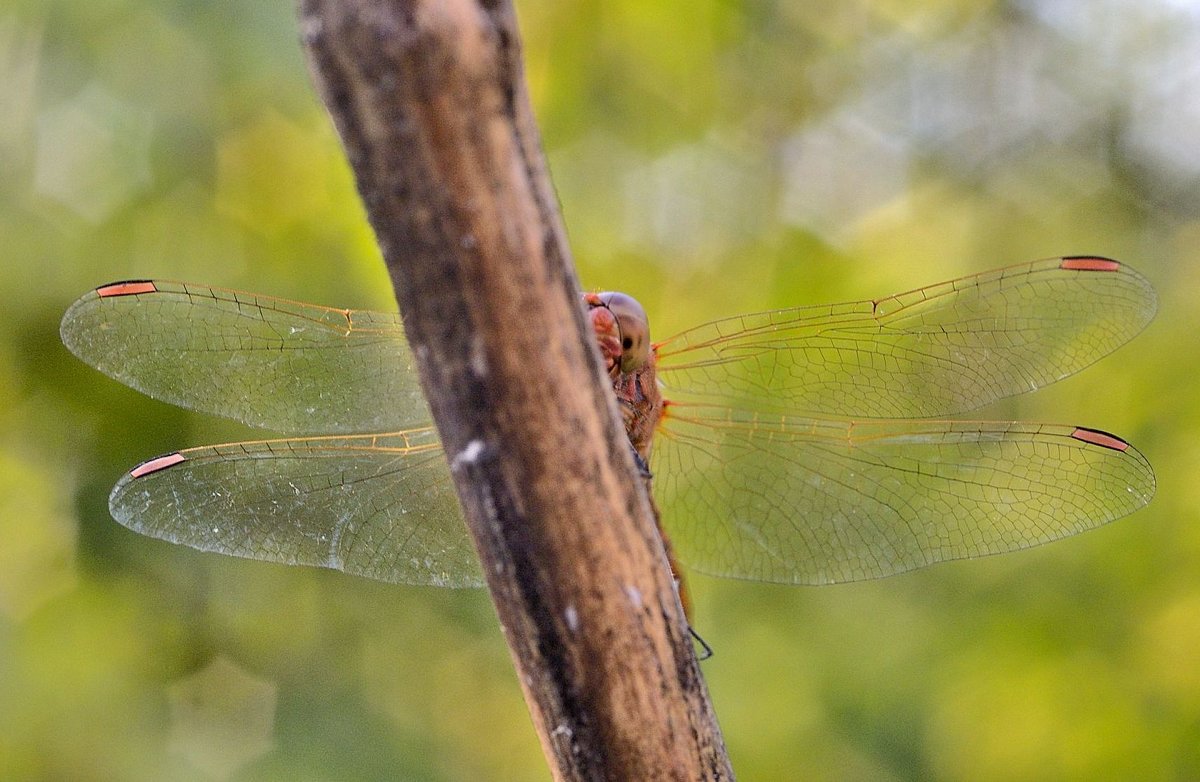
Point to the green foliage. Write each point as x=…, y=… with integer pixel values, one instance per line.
x=712, y=158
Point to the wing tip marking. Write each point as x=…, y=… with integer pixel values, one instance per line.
x=1089, y=263
x=126, y=288
x=1097, y=437
x=157, y=464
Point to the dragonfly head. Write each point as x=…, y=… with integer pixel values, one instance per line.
x=622, y=330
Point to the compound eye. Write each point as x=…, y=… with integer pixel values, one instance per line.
x=634, y=328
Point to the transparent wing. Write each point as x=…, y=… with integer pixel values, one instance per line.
x=380, y=506
x=935, y=351
x=266, y=362
x=805, y=501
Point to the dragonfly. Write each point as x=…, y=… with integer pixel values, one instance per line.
x=808, y=445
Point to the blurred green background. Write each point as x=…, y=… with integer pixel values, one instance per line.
x=711, y=158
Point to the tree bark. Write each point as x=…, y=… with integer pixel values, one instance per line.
x=430, y=101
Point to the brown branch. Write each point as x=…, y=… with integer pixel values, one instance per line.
x=430, y=101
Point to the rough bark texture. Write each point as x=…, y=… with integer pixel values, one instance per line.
x=430, y=101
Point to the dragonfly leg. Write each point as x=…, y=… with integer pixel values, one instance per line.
x=643, y=468
x=706, y=651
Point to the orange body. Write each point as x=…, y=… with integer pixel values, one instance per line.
x=622, y=333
